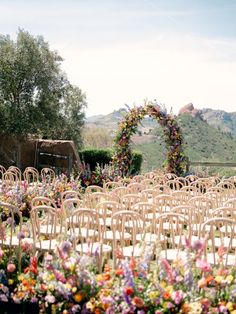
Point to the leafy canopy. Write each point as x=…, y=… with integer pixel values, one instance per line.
x=35, y=95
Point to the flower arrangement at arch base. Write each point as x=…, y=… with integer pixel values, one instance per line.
x=68, y=283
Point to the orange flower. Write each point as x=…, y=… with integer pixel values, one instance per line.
x=209, y=279
x=119, y=272
x=138, y=302
x=78, y=297
x=106, y=276
x=166, y=295
x=107, y=268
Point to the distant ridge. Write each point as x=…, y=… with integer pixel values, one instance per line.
x=219, y=119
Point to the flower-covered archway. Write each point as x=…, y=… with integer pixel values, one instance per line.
x=173, y=138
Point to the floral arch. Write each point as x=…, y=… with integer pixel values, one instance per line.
x=173, y=138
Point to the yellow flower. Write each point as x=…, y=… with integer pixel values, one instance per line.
x=99, y=277
x=169, y=289
x=50, y=277
x=163, y=284
x=74, y=289
x=10, y=281
x=229, y=278
x=20, y=277
x=230, y=306
x=153, y=294
x=51, y=287
x=218, y=279
x=233, y=312
x=68, y=286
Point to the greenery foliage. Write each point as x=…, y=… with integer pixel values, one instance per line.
x=35, y=95
x=94, y=157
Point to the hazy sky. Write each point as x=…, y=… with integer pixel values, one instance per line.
x=124, y=51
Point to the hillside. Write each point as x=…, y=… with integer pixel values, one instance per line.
x=202, y=140
x=220, y=119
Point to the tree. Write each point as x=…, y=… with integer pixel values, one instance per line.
x=35, y=95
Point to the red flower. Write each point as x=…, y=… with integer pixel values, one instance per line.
x=128, y=290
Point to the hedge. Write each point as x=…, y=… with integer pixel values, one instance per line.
x=104, y=156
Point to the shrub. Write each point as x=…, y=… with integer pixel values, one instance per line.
x=102, y=157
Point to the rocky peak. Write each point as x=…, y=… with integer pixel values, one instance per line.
x=189, y=109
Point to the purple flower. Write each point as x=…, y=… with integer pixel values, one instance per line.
x=21, y=235
x=66, y=247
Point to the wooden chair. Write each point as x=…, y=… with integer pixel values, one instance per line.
x=2, y=171
x=31, y=176
x=93, y=188
x=231, y=202
x=92, y=199
x=69, y=206
x=180, y=197
x=110, y=185
x=136, y=187
x=203, y=205
x=122, y=223
x=47, y=226
x=175, y=184
x=120, y=191
x=164, y=203
x=172, y=233
x=42, y=200
x=148, y=195
x=138, y=178
x=8, y=228
x=87, y=235
x=129, y=200
x=17, y=172
x=70, y=194
x=191, y=190
x=48, y=175
x=220, y=233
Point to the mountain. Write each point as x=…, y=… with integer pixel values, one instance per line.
x=209, y=135
x=225, y=121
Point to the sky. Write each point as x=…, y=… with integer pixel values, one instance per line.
x=131, y=51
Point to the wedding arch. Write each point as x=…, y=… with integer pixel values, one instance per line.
x=175, y=159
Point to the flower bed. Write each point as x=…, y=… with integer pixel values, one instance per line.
x=64, y=282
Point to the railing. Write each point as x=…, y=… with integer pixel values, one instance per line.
x=209, y=164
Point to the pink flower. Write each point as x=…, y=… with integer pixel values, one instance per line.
x=177, y=296
x=1, y=253
x=50, y=299
x=203, y=265
x=11, y=267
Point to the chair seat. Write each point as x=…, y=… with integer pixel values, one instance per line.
x=46, y=245
x=224, y=242
x=149, y=237
x=84, y=232
x=14, y=241
x=108, y=235
x=49, y=229
x=231, y=260
x=105, y=222
x=129, y=251
x=172, y=254
x=93, y=248
x=130, y=224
